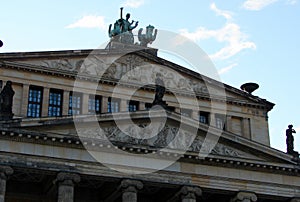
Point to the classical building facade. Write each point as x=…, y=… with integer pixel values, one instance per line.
x=83, y=130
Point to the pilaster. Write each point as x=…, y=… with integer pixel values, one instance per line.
x=85, y=103
x=66, y=183
x=45, y=102
x=66, y=97
x=24, y=101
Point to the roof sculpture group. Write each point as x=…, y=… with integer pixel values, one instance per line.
x=122, y=31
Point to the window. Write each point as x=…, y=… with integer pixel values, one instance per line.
x=133, y=106
x=203, y=117
x=55, y=102
x=113, y=105
x=220, y=121
x=186, y=112
x=148, y=106
x=35, y=98
x=94, y=104
x=74, y=103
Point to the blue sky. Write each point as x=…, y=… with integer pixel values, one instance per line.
x=248, y=40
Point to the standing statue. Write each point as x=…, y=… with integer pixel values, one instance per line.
x=6, y=101
x=122, y=31
x=159, y=91
x=149, y=37
x=290, y=139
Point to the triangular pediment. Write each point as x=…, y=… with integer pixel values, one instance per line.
x=177, y=135
x=131, y=68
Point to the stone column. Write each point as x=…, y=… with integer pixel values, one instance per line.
x=5, y=171
x=24, y=101
x=244, y=197
x=130, y=189
x=65, y=106
x=85, y=103
x=45, y=102
x=66, y=182
x=190, y=193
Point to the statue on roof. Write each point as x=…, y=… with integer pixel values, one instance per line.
x=122, y=31
x=290, y=140
x=6, y=101
x=147, y=38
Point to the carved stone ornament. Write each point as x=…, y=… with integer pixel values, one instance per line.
x=244, y=197
x=68, y=178
x=5, y=172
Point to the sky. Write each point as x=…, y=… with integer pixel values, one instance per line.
x=247, y=40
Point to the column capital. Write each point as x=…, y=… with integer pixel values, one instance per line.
x=131, y=185
x=244, y=197
x=190, y=192
x=68, y=178
x=5, y=171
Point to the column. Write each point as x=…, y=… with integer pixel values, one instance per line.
x=244, y=197
x=5, y=171
x=66, y=96
x=66, y=182
x=130, y=189
x=45, y=102
x=85, y=103
x=190, y=193
x=187, y=194
x=24, y=101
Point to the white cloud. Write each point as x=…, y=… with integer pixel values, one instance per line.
x=292, y=2
x=89, y=21
x=226, y=14
x=230, y=34
x=226, y=69
x=133, y=3
x=257, y=5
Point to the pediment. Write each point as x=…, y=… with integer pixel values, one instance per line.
x=170, y=137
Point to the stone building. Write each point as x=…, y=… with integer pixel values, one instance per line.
x=83, y=131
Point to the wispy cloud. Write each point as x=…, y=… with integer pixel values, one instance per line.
x=226, y=14
x=257, y=5
x=226, y=69
x=133, y=3
x=292, y=2
x=89, y=21
x=230, y=34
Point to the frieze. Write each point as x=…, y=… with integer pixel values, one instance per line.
x=168, y=137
